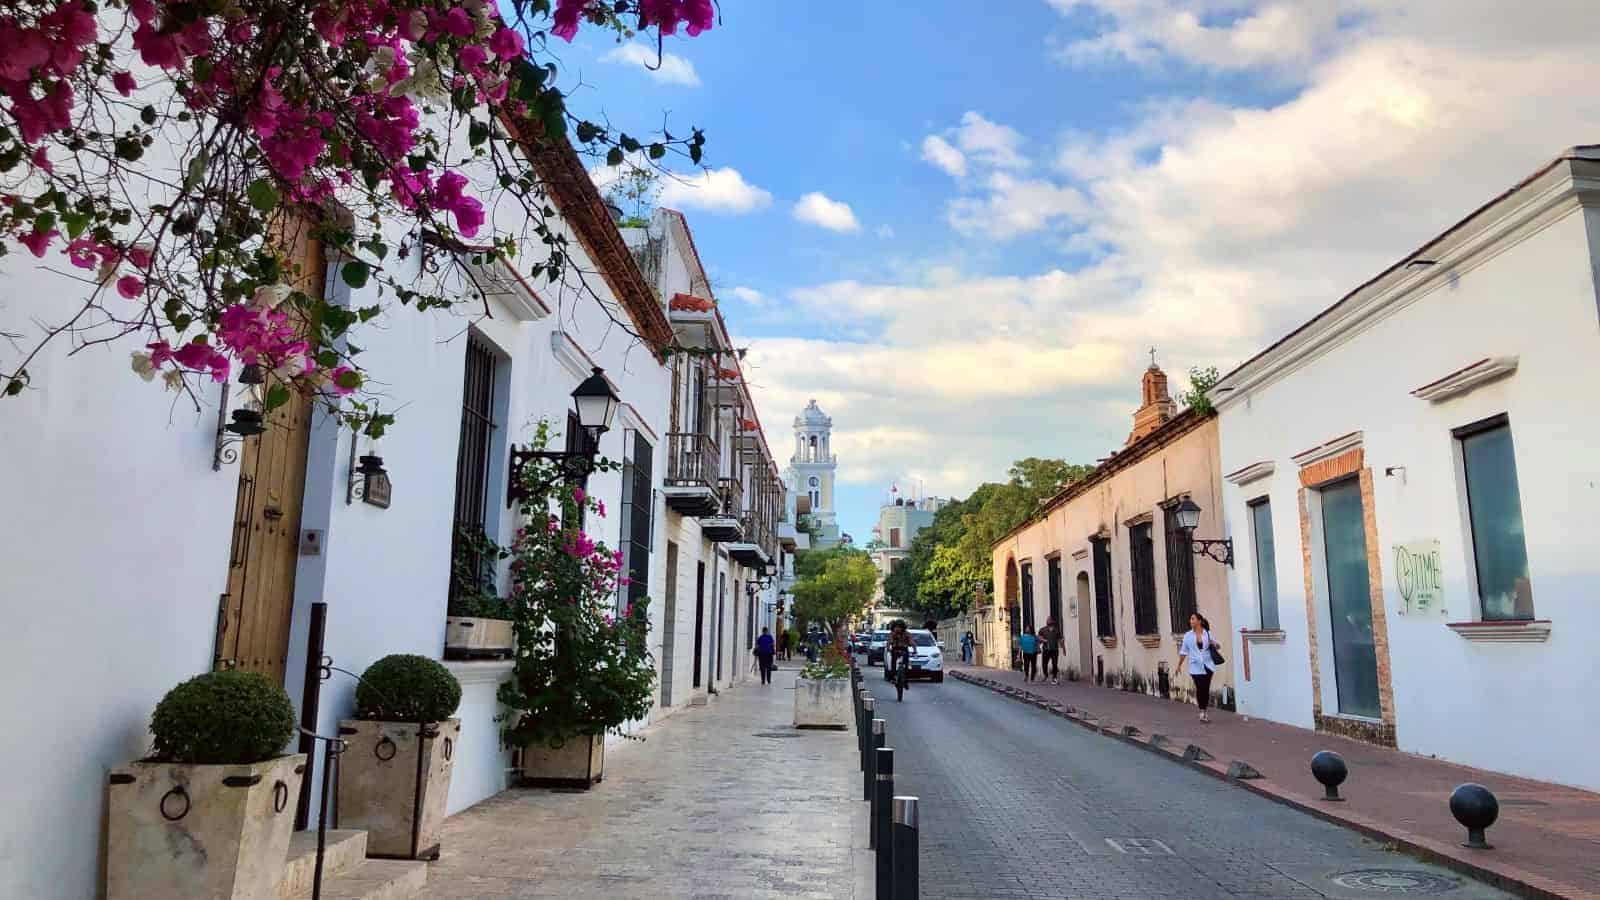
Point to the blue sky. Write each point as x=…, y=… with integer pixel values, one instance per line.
x=1015, y=205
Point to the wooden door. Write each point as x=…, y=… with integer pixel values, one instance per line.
x=253, y=621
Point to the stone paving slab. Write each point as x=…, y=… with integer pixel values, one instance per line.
x=705, y=807
x=1547, y=840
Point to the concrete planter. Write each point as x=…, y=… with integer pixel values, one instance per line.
x=822, y=703
x=580, y=762
x=394, y=786
x=181, y=831
x=469, y=637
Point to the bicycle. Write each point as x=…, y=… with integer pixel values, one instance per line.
x=899, y=663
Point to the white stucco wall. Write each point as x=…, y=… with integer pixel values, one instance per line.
x=1511, y=707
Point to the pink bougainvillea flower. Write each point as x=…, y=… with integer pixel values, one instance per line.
x=338, y=388
x=41, y=159
x=600, y=507
x=84, y=253
x=457, y=22
x=507, y=44
x=38, y=242
x=21, y=50
x=139, y=256
x=577, y=495
x=199, y=356
x=124, y=83
x=565, y=19
x=129, y=287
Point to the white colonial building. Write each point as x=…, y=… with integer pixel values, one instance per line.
x=1411, y=494
x=137, y=549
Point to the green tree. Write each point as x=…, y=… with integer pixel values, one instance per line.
x=836, y=589
x=1201, y=381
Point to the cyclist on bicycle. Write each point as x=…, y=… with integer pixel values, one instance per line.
x=899, y=645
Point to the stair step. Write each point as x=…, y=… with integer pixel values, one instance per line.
x=374, y=879
x=345, y=849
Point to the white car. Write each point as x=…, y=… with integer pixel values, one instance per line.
x=927, y=657
x=875, y=645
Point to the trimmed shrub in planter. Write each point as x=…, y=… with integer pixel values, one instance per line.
x=394, y=777
x=209, y=814
x=822, y=693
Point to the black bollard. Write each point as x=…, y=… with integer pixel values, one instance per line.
x=1476, y=808
x=904, y=849
x=878, y=826
x=1328, y=767
x=865, y=731
x=869, y=775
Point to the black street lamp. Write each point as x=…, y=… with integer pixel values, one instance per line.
x=1188, y=515
x=595, y=403
x=247, y=419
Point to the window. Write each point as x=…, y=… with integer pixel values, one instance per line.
x=1494, y=511
x=1266, y=563
x=638, y=517
x=1054, y=579
x=1180, y=573
x=1104, y=624
x=472, y=455
x=1142, y=555
x=894, y=537
x=1027, y=596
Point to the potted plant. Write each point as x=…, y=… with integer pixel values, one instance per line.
x=478, y=624
x=822, y=693
x=582, y=668
x=394, y=774
x=209, y=813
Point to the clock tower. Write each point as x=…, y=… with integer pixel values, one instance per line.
x=811, y=472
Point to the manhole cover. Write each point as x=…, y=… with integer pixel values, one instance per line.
x=778, y=734
x=1393, y=881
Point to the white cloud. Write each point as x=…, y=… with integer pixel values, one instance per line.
x=989, y=142
x=714, y=190
x=669, y=68
x=818, y=209
x=1215, y=229
x=941, y=153
x=751, y=296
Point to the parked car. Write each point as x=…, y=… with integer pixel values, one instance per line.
x=875, y=645
x=927, y=657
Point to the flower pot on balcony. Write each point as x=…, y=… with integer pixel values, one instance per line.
x=394, y=780
x=471, y=637
x=822, y=703
x=576, y=762
x=186, y=830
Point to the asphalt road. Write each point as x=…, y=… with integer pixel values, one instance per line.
x=1017, y=803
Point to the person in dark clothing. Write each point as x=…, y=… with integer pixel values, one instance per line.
x=766, y=648
x=1028, y=642
x=786, y=644
x=1050, y=652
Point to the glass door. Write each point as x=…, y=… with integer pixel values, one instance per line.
x=1355, y=656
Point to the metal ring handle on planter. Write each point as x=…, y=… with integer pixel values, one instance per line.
x=280, y=797
x=449, y=749
x=181, y=794
x=378, y=749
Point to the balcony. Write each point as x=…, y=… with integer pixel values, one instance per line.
x=788, y=536
x=723, y=525
x=690, y=487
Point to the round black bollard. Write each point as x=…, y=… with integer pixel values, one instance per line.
x=1328, y=767
x=864, y=727
x=878, y=834
x=1476, y=808
x=904, y=849
x=870, y=776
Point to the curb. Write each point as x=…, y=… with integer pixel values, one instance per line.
x=1242, y=774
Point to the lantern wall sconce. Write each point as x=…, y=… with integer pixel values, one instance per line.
x=1188, y=513
x=247, y=419
x=368, y=481
x=595, y=403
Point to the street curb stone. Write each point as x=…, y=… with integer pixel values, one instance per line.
x=1426, y=849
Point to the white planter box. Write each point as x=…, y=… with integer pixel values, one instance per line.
x=824, y=703
x=194, y=832
x=580, y=762
x=378, y=790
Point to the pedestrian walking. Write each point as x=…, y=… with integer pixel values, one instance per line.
x=1030, y=653
x=1050, y=651
x=766, y=648
x=1202, y=657
x=785, y=640
x=966, y=648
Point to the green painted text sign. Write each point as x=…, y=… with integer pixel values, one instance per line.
x=1420, y=574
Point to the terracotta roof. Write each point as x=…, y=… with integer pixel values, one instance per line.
x=691, y=303
x=582, y=207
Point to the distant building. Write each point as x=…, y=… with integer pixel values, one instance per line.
x=811, y=473
x=899, y=520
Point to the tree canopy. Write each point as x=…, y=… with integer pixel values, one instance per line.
x=949, y=560
x=834, y=585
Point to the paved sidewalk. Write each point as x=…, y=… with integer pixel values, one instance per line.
x=713, y=804
x=1547, y=840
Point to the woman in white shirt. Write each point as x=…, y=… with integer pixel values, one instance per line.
x=1196, y=651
